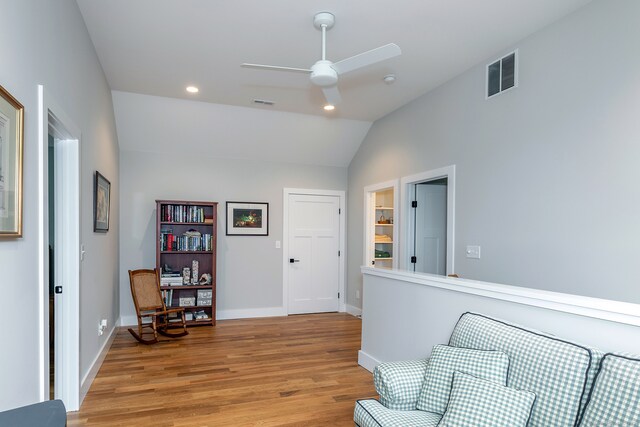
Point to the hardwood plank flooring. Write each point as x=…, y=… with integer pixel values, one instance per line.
x=283, y=371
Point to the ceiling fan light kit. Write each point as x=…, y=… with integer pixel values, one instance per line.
x=325, y=73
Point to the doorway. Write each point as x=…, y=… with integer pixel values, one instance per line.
x=430, y=227
x=428, y=221
x=59, y=259
x=313, y=243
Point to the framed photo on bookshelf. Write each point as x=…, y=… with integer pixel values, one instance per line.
x=247, y=219
x=101, y=203
x=11, y=144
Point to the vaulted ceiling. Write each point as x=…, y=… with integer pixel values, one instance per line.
x=158, y=47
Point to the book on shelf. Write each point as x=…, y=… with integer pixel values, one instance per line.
x=182, y=213
x=190, y=241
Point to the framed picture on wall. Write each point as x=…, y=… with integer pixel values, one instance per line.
x=101, y=203
x=11, y=145
x=247, y=219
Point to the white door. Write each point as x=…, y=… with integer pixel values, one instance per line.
x=431, y=229
x=314, y=263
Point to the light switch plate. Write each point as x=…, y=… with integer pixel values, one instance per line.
x=473, y=252
x=277, y=244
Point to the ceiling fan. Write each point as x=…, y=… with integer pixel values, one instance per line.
x=324, y=73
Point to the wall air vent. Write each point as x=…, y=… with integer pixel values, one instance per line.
x=502, y=74
x=263, y=102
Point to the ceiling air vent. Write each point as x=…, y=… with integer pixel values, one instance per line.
x=502, y=74
x=263, y=102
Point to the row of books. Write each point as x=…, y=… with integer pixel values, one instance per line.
x=182, y=213
x=186, y=242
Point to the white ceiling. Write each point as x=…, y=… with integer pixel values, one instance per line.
x=158, y=47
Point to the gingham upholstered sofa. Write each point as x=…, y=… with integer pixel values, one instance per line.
x=574, y=385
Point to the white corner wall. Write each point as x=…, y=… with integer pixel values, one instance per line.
x=47, y=43
x=546, y=174
x=249, y=269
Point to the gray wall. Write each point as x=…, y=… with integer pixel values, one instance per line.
x=249, y=267
x=47, y=43
x=547, y=174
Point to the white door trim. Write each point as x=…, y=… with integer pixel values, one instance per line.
x=407, y=227
x=369, y=220
x=51, y=116
x=285, y=241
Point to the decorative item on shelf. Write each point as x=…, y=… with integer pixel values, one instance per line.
x=205, y=279
x=391, y=220
x=187, y=301
x=200, y=315
x=195, y=273
x=204, y=297
x=382, y=254
x=101, y=203
x=247, y=219
x=11, y=148
x=383, y=238
x=186, y=275
x=382, y=219
x=188, y=316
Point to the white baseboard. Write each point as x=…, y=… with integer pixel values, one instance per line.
x=85, y=385
x=354, y=311
x=246, y=313
x=367, y=361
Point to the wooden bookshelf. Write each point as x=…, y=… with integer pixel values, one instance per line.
x=186, y=231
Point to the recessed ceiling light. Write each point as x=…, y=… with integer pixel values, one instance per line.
x=329, y=107
x=192, y=89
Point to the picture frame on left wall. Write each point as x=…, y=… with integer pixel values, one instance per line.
x=11, y=151
x=101, y=203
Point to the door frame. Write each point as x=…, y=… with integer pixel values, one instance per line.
x=369, y=219
x=285, y=242
x=52, y=118
x=407, y=228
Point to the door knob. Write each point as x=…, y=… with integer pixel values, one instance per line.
x=58, y=289
x=291, y=260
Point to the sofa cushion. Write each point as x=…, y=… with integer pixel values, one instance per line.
x=615, y=398
x=399, y=383
x=478, y=402
x=444, y=360
x=559, y=372
x=371, y=413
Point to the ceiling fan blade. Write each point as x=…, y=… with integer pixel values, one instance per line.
x=332, y=94
x=367, y=58
x=275, y=68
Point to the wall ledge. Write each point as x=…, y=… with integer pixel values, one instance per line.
x=615, y=311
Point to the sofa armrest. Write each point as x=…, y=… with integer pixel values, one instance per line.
x=399, y=383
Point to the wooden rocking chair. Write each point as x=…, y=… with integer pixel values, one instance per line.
x=145, y=290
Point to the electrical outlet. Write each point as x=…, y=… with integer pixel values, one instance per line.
x=357, y=294
x=102, y=326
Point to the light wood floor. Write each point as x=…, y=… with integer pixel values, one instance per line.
x=284, y=371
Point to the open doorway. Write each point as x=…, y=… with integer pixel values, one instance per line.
x=52, y=263
x=59, y=258
x=428, y=221
x=430, y=227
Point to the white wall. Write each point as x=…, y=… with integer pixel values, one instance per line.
x=405, y=315
x=546, y=174
x=44, y=42
x=249, y=279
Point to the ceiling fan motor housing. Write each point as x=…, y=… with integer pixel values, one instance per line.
x=323, y=75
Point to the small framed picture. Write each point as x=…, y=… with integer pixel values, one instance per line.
x=247, y=219
x=101, y=203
